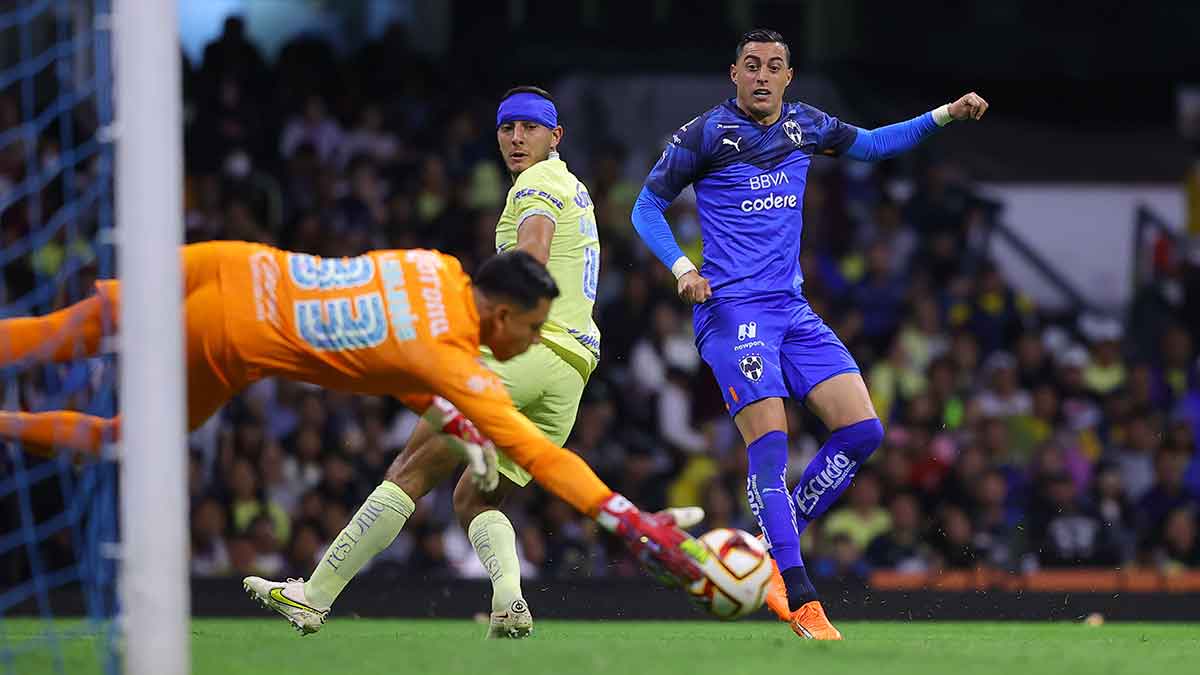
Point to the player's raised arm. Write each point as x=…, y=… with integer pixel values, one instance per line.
x=680, y=164
x=869, y=145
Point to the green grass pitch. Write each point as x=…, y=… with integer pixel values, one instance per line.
x=347, y=645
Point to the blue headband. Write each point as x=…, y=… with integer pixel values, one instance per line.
x=527, y=107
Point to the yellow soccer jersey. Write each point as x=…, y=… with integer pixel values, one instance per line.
x=549, y=189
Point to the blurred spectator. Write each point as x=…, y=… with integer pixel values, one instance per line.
x=1168, y=492
x=370, y=139
x=1071, y=536
x=863, y=519
x=1106, y=371
x=1114, y=509
x=314, y=128
x=210, y=556
x=1003, y=397
x=234, y=57
x=248, y=504
x=879, y=296
x=952, y=543
x=902, y=547
x=1180, y=545
x=667, y=345
x=1136, y=458
x=994, y=521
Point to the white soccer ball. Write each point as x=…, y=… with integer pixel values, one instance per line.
x=736, y=574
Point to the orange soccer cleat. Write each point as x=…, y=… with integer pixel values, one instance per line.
x=810, y=623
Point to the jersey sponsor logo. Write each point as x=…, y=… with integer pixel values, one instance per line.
x=769, y=202
x=747, y=330
x=735, y=144
x=755, y=498
x=837, y=469
x=751, y=366
x=582, y=198
x=531, y=192
x=792, y=129
x=767, y=181
x=428, y=266
x=264, y=275
x=342, y=324
x=310, y=273
x=726, y=126
x=748, y=345
x=399, y=306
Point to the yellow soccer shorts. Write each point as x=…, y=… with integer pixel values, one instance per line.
x=546, y=389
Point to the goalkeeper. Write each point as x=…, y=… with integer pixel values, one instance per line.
x=406, y=323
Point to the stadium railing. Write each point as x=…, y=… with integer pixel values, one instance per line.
x=995, y=230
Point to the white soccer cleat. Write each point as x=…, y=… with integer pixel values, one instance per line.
x=287, y=598
x=516, y=622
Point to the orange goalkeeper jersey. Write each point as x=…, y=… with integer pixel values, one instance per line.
x=395, y=322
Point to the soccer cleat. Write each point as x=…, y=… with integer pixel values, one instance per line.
x=287, y=598
x=516, y=622
x=810, y=623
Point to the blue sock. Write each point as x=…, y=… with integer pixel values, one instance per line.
x=829, y=473
x=769, y=500
x=800, y=590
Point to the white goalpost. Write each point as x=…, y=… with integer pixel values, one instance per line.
x=154, y=588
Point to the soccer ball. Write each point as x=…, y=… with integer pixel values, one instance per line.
x=736, y=574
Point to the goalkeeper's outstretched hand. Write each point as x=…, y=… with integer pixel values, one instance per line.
x=655, y=539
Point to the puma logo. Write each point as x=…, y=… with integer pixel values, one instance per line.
x=735, y=144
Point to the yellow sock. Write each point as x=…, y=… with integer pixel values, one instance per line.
x=370, y=531
x=495, y=543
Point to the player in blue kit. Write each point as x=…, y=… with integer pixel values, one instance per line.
x=747, y=160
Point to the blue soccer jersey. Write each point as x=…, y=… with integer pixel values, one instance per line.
x=749, y=181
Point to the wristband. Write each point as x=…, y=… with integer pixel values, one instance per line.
x=941, y=115
x=682, y=266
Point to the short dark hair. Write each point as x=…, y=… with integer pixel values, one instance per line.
x=517, y=276
x=528, y=89
x=762, y=35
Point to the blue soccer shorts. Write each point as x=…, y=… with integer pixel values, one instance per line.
x=767, y=346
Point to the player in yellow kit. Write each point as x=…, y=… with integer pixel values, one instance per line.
x=406, y=323
x=549, y=215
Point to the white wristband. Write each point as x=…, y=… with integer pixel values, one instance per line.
x=682, y=266
x=941, y=115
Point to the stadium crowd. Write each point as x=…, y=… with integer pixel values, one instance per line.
x=1016, y=438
